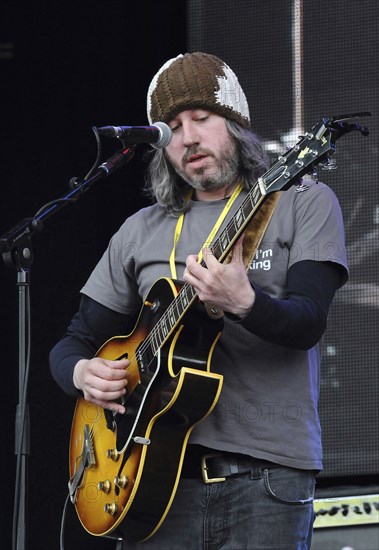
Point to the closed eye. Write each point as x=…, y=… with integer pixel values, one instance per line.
x=174, y=127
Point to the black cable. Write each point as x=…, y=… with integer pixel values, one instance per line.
x=99, y=153
x=63, y=523
x=74, y=180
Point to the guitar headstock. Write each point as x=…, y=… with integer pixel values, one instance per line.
x=312, y=149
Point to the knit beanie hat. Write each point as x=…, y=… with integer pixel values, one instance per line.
x=194, y=81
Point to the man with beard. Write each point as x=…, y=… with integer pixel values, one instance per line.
x=249, y=470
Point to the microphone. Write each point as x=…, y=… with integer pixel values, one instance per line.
x=158, y=135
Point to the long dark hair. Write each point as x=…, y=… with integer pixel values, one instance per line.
x=165, y=186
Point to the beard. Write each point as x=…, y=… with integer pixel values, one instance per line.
x=215, y=175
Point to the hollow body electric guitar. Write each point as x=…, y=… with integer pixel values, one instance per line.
x=124, y=469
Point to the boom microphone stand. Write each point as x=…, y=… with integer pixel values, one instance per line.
x=17, y=252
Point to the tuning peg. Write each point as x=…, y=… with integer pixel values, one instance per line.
x=301, y=186
x=329, y=165
x=315, y=174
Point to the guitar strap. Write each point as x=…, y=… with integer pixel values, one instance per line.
x=256, y=228
x=252, y=236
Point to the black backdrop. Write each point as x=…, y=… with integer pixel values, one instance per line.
x=339, y=55
x=65, y=68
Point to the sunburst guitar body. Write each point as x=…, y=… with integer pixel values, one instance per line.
x=124, y=469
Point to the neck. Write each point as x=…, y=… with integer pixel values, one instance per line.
x=215, y=194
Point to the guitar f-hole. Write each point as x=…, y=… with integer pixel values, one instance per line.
x=109, y=419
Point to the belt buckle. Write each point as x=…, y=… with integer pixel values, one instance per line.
x=204, y=470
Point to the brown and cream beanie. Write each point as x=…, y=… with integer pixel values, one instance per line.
x=194, y=81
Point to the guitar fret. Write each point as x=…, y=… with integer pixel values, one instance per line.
x=183, y=300
x=191, y=292
x=154, y=342
x=171, y=316
x=256, y=194
x=165, y=329
x=247, y=207
x=239, y=218
x=175, y=305
x=159, y=334
x=230, y=230
x=224, y=240
x=217, y=249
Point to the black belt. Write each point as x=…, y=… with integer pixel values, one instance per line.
x=215, y=466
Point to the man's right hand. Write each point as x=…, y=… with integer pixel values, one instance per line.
x=102, y=381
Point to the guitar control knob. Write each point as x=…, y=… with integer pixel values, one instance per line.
x=104, y=486
x=111, y=509
x=121, y=481
x=113, y=454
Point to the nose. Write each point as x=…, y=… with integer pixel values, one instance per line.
x=190, y=134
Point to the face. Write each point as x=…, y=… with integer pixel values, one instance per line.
x=202, y=151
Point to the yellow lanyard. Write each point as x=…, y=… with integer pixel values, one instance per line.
x=209, y=239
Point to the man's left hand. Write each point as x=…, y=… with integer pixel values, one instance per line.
x=225, y=286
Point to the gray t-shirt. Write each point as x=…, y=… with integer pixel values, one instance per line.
x=268, y=404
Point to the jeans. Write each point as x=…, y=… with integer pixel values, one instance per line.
x=266, y=509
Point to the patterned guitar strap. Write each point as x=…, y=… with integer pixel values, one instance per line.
x=256, y=229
